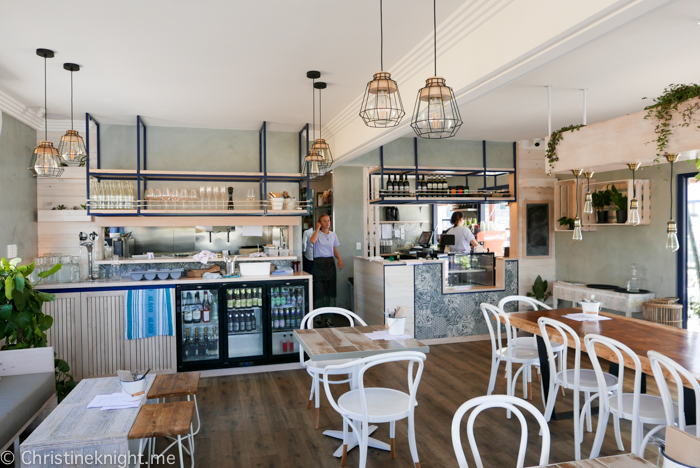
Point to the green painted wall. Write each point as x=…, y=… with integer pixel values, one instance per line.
x=605, y=256
x=18, y=201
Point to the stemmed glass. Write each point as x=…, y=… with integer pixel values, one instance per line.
x=202, y=193
x=193, y=199
x=208, y=196
x=149, y=198
x=167, y=196
x=158, y=196
x=183, y=198
x=224, y=197
x=251, y=198
x=216, y=197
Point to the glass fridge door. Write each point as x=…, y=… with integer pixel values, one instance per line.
x=244, y=309
x=200, y=325
x=287, y=309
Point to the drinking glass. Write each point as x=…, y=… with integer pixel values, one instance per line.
x=202, y=192
x=251, y=198
x=216, y=197
x=224, y=197
x=193, y=199
x=167, y=196
x=75, y=269
x=209, y=196
x=106, y=195
x=183, y=198
x=64, y=274
x=158, y=196
x=149, y=197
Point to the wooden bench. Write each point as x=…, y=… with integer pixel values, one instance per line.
x=183, y=384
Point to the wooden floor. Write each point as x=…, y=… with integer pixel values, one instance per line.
x=261, y=420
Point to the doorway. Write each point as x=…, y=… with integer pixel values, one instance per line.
x=689, y=253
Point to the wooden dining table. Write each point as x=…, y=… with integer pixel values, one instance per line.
x=616, y=461
x=683, y=346
x=323, y=344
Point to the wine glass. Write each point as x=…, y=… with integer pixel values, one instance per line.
x=183, y=198
x=167, y=196
x=202, y=192
x=193, y=199
x=149, y=197
x=215, y=191
x=209, y=196
x=251, y=198
x=224, y=196
x=158, y=196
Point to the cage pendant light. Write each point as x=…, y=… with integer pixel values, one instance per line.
x=313, y=160
x=45, y=161
x=634, y=203
x=381, y=103
x=321, y=147
x=72, y=147
x=436, y=114
x=671, y=228
x=577, y=222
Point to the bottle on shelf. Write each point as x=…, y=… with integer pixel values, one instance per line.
x=186, y=346
x=214, y=308
x=229, y=299
x=284, y=343
x=260, y=300
x=248, y=298
x=290, y=348
x=275, y=319
x=230, y=321
x=196, y=309
x=406, y=186
x=230, y=198
x=235, y=321
x=205, y=342
x=253, y=321
x=213, y=343
x=187, y=309
x=206, y=310
x=196, y=345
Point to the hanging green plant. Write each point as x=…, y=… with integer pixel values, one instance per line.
x=665, y=106
x=554, y=139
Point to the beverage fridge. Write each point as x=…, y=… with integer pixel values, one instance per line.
x=239, y=323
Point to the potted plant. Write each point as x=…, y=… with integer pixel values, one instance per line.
x=565, y=220
x=619, y=204
x=22, y=322
x=540, y=290
x=601, y=199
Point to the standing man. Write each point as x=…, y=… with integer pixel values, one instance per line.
x=325, y=245
x=308, y=249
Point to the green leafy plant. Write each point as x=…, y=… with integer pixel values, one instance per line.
x=618, y=200
x=665, y=106
x=601, y=199
x=554, y=139
x=22, y=323
x=565, y=221
x=540, y=289
x=59, y=207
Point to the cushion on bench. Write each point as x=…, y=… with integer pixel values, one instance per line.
x=21, y=396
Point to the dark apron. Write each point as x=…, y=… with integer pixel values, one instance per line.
x=324, y=277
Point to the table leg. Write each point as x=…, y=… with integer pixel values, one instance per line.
x=614, y=369
x=689, y=406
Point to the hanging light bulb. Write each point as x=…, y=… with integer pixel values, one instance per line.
x=381, y=103
x=72, y=147
x=671, y=228
x=320, y=146
x=45, y=161
x=588, y=206
x=313, y=160
x=577, y=222
x=436, y=114
x=634, y=203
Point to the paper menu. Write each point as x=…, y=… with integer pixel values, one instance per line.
x=586, y=317
x=113, y=401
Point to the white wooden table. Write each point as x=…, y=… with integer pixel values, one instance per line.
x=609, y=299
x=72, y=430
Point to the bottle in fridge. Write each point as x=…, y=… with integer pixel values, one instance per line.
x=245, y=314
x=198, y=325
x=288, y=307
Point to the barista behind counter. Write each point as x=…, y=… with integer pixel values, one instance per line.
x=463, y=240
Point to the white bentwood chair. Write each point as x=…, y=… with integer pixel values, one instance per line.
x=637, y=407
x=678, y=374
x=576, y=379
x=364, y=405
x=510, y=403
x=316, y=368
x=511, y=354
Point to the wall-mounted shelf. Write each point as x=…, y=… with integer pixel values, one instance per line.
x=142, y=175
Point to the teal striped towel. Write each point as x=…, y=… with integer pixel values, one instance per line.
x=149, y=312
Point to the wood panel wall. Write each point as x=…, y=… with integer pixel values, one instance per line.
x=65, y=333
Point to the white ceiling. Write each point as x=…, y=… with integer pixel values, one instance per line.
x=216, y=64
x=233, y=64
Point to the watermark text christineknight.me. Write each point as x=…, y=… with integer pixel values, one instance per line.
x=121, y=460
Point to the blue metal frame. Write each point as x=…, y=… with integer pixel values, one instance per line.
x=139, y=125
x=88, y=119
x=682, y=254
x=305, y=132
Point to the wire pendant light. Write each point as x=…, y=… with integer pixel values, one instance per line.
x=436, y=114
x=321, y=147
x=45, y=161
x=381, y=103
x=577, y=222
x=634, y=203
x=313, y=160
x=671, y=227
x=72, y=147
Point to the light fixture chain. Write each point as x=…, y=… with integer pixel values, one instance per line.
x=671, y=185
x=381, y=34
x=71, y=99
x=320, y=114
x=435, y=36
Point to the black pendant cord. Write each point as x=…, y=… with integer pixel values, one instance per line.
x=634, y=186
x=46, y=123
x=381, y=35
x=71, y=99
x=313, y=105
x=589, y=184
x=671, y=184
x=435, y=36
x=577, y=196
x=320, y=115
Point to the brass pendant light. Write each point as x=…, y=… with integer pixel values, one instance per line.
x=313, y=159
x=381, y=103
x=321, y=147
x=588, y=206
x=72, y=147
x=577, y=222
x=45, y=162
x=634, y=203
x=436, y=114
x=671, y=228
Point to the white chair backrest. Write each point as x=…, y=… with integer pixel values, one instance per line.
x=678, y=373
x=615, y=349
x=566, y=334
x=308, y=321
x=497, y=401
x=499, y=318
x=537, y=305
x=412, y=357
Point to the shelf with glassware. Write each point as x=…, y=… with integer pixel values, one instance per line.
x=119, y=192
x=565, y=203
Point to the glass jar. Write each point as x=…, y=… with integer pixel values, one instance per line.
x=65, y=274
x=75, y=269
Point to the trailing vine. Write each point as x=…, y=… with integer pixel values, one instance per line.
x=554, y=139
x=664, y=108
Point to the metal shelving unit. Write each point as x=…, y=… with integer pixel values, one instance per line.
x=142, y=175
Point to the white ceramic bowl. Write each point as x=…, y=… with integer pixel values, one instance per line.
x=283, y=252
x=277, y=203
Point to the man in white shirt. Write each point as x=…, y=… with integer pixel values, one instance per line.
x=308, y=248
